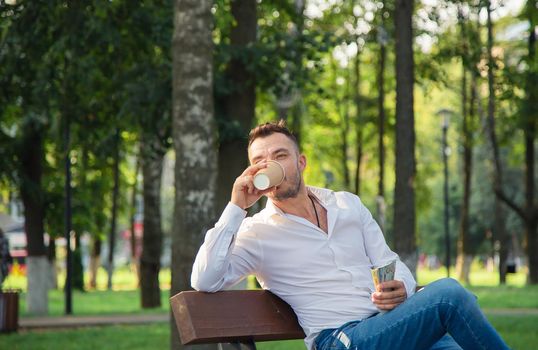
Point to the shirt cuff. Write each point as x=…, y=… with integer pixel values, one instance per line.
x=410, y=286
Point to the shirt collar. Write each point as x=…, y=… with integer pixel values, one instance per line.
x=325, y=196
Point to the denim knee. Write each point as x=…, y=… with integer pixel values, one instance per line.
x=451, y=290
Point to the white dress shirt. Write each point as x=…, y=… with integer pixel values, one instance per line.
x=325, y=278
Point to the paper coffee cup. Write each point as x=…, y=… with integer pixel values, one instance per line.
x=268, y=177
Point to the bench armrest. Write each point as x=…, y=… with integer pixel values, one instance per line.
x=233, y=316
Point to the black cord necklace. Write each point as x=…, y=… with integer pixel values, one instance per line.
x=315, y=210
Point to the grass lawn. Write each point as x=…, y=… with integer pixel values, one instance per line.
x=479, y=276
x=154, y=336
x=518, y=331
x=507, y=297
x=485, y=285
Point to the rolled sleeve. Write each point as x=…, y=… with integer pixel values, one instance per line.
x=404, y=275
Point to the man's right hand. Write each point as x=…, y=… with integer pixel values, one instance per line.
x=244, y=194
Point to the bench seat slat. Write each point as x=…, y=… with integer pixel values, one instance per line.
x=233, y=316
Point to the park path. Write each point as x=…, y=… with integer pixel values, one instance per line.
x=55, y=322
x=59, y=322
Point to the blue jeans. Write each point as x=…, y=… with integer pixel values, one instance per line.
x=421, y=322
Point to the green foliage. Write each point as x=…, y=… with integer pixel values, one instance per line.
x=285, y=58
x=109, y=68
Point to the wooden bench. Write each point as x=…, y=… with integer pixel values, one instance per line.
x=239, y=317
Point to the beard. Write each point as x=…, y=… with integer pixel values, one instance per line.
x=293, y=189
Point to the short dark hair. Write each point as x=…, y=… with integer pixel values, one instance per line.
x=266, y=129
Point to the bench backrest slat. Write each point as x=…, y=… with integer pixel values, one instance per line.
x=233, y=316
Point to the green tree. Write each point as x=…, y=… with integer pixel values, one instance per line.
x=24, y=64
x=146, y=37
x=528, y=211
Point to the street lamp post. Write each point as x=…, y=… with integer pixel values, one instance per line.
x=445, y=114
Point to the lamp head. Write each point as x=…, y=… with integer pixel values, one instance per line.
x=445, y=114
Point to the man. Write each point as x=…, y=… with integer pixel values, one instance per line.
x=314, y=249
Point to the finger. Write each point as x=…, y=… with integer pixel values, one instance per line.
x=390, y=301
x=390, y=284
x=242, y=182
x=262, y=192
x=253, y=169
x=384, y=302
x=393, y=284
x=388, y=307
x=390, y=294
x=387, y=297
x=250, y=186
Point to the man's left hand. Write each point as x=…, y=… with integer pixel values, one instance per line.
x=389, y=294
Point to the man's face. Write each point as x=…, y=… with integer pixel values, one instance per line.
x=280, y=148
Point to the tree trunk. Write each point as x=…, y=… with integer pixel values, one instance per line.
x=298, y=107
x=404, y=193
x=135, y=267
x=239, y=105
x=500, y=235
x=31, y=159
x=344, y=131
x=380, y=201
x=115, y=194
x=68, y=218
x=290, y=97
x=152, y=159
x=359, y=121
x=468, y=248
x=499, y=222
x=51, y=256
x=343, y=112
x=296, y=121
x=464, y=245
x=530, y=122
x=77, y=268
x=491, y=103
x=461, y=272
x=194, y=138
x=531, y=232
x=360, y=152
x=95, y=260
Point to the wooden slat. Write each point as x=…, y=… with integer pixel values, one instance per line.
x=230, y=316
